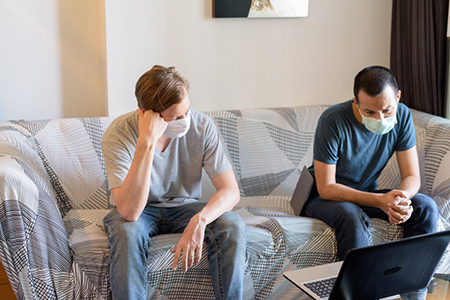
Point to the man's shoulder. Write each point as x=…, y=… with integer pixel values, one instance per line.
x=337, y=110
x=200, y=119
x=127, y=118
x=403, y=113
x=128, y=122
x=402, y=108
x=198, y=115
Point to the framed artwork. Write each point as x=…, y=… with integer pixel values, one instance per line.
x=260, y=8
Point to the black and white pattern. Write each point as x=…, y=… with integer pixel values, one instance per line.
x=54, y=196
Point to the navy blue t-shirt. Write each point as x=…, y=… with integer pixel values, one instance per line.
x=359, y=154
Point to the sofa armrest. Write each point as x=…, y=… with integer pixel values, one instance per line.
x=33, y=241
x=433, y=136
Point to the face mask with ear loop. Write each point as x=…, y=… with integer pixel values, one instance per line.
x=178, y=128
x=378, y=126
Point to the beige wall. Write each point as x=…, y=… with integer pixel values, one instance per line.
x=242, y=63
x=53, y=54
x=52, y=59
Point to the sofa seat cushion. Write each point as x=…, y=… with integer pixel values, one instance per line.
x=86, y=232
x=277, y=241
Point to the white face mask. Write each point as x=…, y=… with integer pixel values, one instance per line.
x=177, y=128
x=379, y=126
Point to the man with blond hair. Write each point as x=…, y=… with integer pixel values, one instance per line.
x=154, y=158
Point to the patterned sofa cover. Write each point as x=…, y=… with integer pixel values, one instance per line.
x=54, y=195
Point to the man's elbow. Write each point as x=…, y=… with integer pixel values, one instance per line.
x=237, y=196
x=324, y=193
x=234, y=196
x=128, y=215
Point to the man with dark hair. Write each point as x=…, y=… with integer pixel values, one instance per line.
x=154, y=158
x=353, y=142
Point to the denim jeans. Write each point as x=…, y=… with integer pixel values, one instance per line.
x=129, y=243
x=351, y=221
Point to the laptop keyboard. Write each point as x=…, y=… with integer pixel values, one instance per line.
x=323, y=287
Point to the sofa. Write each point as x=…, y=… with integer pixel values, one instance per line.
x=54, y=195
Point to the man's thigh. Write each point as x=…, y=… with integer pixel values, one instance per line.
x=332, y=212
x=146, y=225
x=175, y=219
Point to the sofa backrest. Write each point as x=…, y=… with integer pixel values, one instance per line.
x=267, y=148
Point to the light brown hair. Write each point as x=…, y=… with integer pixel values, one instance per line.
x=160, y=88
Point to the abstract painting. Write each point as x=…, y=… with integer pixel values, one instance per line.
x=260, y=8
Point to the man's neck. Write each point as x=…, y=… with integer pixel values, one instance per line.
x=162, y=143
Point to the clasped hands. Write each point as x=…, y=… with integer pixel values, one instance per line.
x=397, y=206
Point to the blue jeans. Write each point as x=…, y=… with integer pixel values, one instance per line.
x=129, y=243
x=351, y=221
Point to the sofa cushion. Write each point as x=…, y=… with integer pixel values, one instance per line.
x=277, y=241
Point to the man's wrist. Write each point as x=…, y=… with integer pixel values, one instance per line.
x=147, y=143
x=378, y=200
x=200, y=219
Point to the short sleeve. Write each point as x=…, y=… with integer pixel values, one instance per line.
x=326, y=142
x=117, y=158
x=407, y=133
x=215, y=159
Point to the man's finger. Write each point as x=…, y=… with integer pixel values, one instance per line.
x=176, y=257
x=198, y=252
x=191, y=258
x=395, y=214
x=392, y=220
x=184, y=259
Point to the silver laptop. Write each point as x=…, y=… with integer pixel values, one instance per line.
x=302, y=190
x=377, y=271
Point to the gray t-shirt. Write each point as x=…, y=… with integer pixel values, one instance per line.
x=176, y=172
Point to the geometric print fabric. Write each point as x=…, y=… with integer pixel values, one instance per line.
x=267, y=149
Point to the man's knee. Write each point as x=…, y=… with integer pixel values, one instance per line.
x=122, y=233
x=350, y=214
x=425, y=208
x=231, y=226
x=335, y=213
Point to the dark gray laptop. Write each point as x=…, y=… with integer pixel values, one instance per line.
x=302, y=190
x=376, y=271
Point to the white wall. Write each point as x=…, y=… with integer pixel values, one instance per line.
x=52, y=59
x=243, y=63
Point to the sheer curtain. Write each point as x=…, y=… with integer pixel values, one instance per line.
x=419, y=53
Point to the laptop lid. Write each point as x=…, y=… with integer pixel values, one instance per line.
x=302, y=190
x=381, y=270
x=390, y=268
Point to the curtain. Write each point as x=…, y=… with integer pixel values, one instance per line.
x=419, y=53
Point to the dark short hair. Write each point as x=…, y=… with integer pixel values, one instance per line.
x=373, y=80
x=160, y=88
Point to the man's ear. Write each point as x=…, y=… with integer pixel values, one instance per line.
x=399, y=95
x=354, y=101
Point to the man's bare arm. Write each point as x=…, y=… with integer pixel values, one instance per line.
x=408, y=163
x=131, y=197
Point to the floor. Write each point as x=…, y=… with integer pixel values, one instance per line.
x=441, y=291
x=6, y=291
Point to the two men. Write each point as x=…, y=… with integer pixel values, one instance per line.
x=154, y=158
